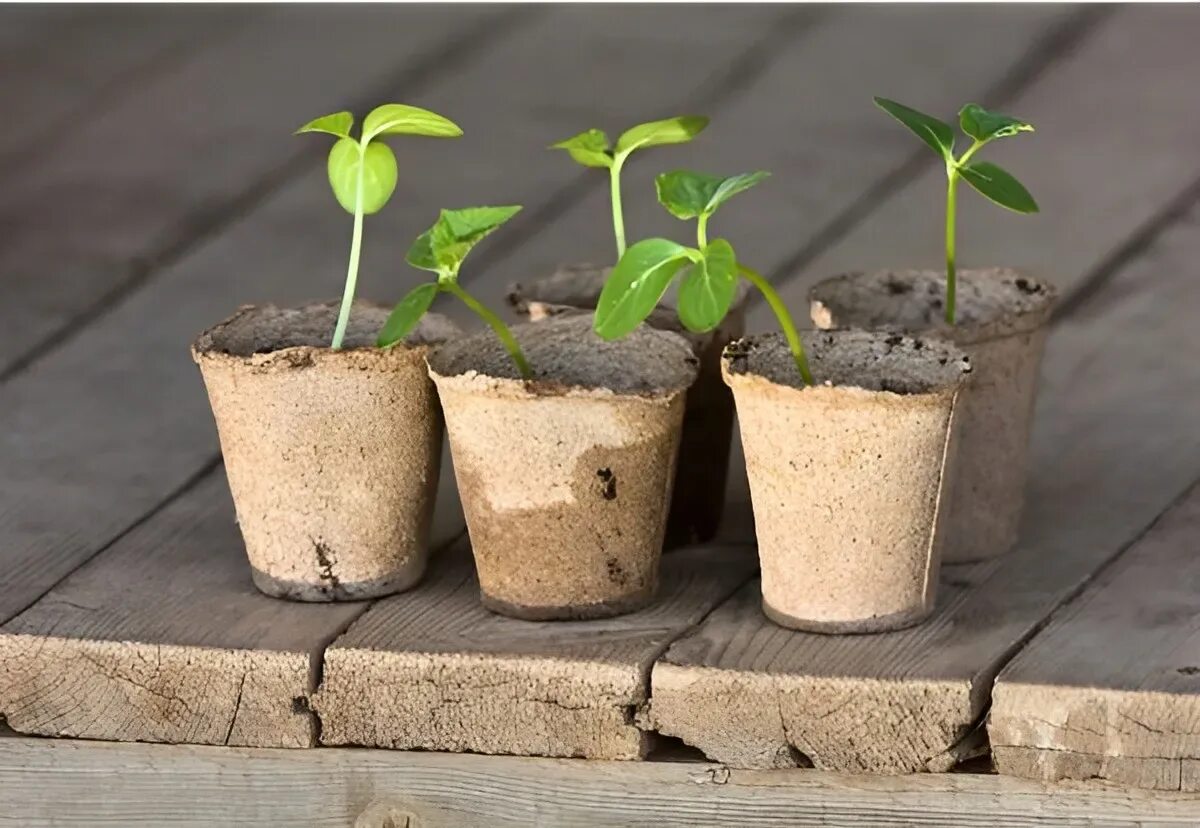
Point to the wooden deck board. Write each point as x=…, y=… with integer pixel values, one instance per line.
x=1111, y=688
x=48, y=782
x=434, y=670
x=895, y=702
x=133, y=186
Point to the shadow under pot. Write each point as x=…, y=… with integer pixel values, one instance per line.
x=698, y=502
x=565, y=478
x=848, y=477
x=332, y=456
x=1002, y=317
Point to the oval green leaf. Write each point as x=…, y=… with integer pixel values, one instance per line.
x=405, y=316
x=982, y=125
x=395, y=119
x=457, y=231
x=939, y=135
x=378, y=175
x=636, y=285
x=590, y=148
x=686, y=194
x=998, y=185
x=339, y=124
x=708, y=289
x=677, y=130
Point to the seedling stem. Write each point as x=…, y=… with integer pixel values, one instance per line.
x=343, y=320
x=502, y=332
x=785, y=319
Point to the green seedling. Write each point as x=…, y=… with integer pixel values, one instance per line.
x=362, y=172
x=991, y=181
x=442, y=249
x=592, y=149
x=638, y=282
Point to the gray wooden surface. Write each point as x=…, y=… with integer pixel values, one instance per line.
x=154, y=185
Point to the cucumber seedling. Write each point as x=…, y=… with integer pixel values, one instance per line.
x=642, y=276
x=593, y=149
x=442, y=249
x=990, y=180
x=362, y=172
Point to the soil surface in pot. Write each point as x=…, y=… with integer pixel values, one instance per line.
x=266, y=329
x=566, y=354
x=861, y=359
x=990, y=302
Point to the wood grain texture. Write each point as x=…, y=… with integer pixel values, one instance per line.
x=129, y=187
x=163, y=638
x=434, y=670
x=47, y=782
x=824, y=141
x=1114, y=680
x=65, y=70
x=751, y=694
x=1083, y=106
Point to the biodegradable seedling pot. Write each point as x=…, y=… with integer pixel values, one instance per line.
x=1001, y=323
x=703, y=464
x=565, y=478
x=847, y=476
x=332, y=456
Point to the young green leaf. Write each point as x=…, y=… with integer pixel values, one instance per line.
x=636, y=285
x=677, y=130
x=339, y=124
x=999, y=186
x=939, y=135
x=590, y=148
x=407, y=313
x=420, y=253
x=457, y=231
x=378, y=165
x=708, y=288
x=982, y=125
x=395, y=119
x=732, y=186
x=686, y=194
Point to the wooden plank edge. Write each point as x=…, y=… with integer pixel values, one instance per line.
x=68, y=782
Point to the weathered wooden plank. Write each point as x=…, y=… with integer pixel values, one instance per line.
x=434, y=670
x=67, y=69
x=201, y=141
x=824, y=141
x=1131, y=173
x=164, y=638
x=78, y=475
x=58, y=782
x=752, y=694
x=1116, y=674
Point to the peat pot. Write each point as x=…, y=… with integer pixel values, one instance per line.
x=332, y=456
x=699, y=496
x=1002, y=322
x=848, y=477
x=565, y=479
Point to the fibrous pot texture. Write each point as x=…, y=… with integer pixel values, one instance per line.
x=1002, y=317
x=703, y=464
x=332, y=456
x=565, y=479
x=847, y=477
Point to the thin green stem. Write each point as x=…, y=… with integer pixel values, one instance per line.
x=951, y=280
x=614, y=174
x=952, y=176
x=339, y=333
x=502, y=331
x=785, y=319
x=702, y=231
